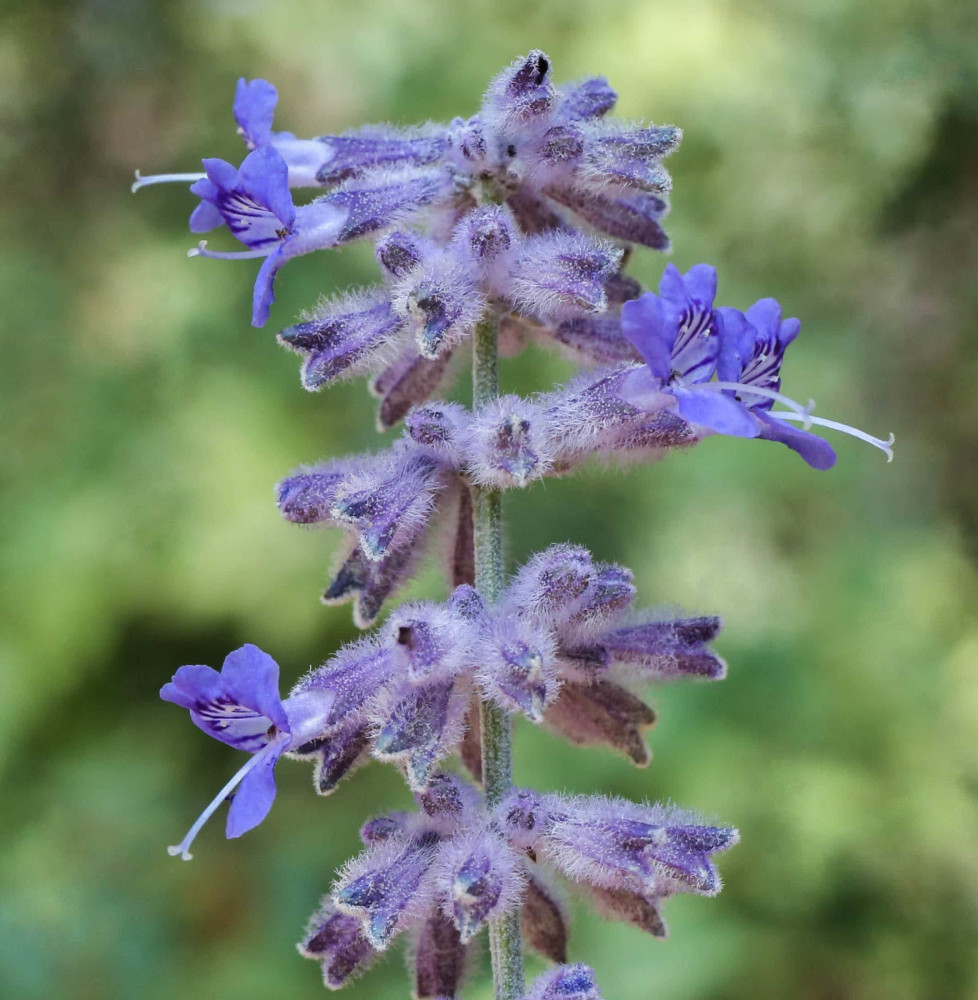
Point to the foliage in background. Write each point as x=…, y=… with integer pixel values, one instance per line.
x=829, y=161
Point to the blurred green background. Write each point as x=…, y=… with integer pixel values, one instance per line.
x=830, y=160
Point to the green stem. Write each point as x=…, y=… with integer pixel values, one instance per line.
x=505, y=939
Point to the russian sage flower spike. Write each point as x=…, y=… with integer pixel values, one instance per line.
x=241, y=706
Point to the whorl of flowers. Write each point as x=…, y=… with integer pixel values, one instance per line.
x=519, y=219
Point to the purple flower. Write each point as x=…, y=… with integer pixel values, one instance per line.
x=241, y=706
x=753, y=351
x=678, y=334
x=257, y=206
x=337, y=941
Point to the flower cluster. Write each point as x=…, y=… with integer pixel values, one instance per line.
x=510, y=226
x=561, y=646
x=441, y=874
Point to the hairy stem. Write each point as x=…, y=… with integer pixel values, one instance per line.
x=505, y=940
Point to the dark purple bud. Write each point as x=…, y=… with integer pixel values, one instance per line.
x=561, y=274
x=368, y=583
x=343, y=337
x=382, y=828
x=439, y=426
x=486, y=235
x=550, y=585
x=609, y=595
x=385, y=887
x=389, y=506
x=421, y=725
x=508, y=443
x=437, y=957
x=337, y=940
x=469, y=604
x=524, y=816
x=354, y=153
x=442, y=302
x=544, y=920
x=336, y=756
x=355, y=674
x=376, y=202
x=561, y=146
x=399, y=253
x=468, y=142
x=479, y=877
x=430, y=641
x=590, y=98
x=409, y=380
x=521, y=95
x=448, y=799
x=602, y=713
x=663, y=650
x=306, y=497
x=566, y=982
x=532, y=214
x=629, y=907
x=633, y=218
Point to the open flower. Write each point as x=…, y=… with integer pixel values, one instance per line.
x=241, y=706
x=685, y=342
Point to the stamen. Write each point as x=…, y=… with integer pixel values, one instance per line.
x=142, y=182
x=183, y=848
x=201, y=251
x=884, y=446
x=804, y=413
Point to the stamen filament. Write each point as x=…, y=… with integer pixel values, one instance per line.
x=142, y=182
x=201, y=251
x=804, y=412
x=183, y=848
x=884, y=446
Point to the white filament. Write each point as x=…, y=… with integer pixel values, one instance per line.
x=142, y=182
x=884, y=446
x=183, y=848
x=201, y=251
x=803, y=412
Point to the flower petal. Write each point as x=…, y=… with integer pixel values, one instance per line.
x=251, y=676
x=253, y=799
x=254, y=110
x=818, y=453
x=710, y=408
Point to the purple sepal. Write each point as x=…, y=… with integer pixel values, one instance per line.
x=566, y=982
x=517, y=669
x=399, y=253
x=597, y=339
x=440, y=427
x=385, y=886
x=237, y=706
x=419, y=725
x=437, y=958
x=390, y=505
x=550, y=585
x=615, y=844
x=590, y=98
x=337, y=755
x=508, y=443
x=368, y=583
x=633, y=218
x=561, y=274
x=431, y=641
x=337, y=940
x=533, y=214
x=343, y=337
x=307, y=497
x=479, y=878
x=383, y=827
x=663, y=650
x=524, y=816
x=376, y=146
x=354, y=675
